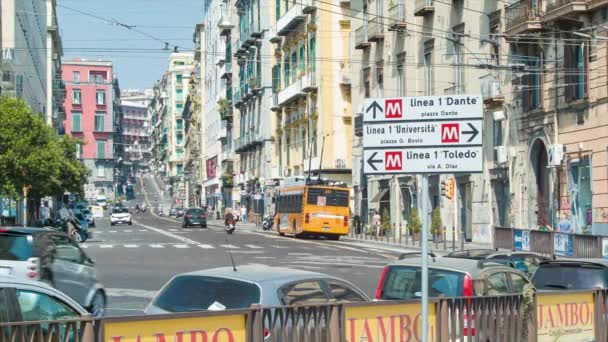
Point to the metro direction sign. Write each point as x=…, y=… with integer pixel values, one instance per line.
x=419, y=108
x=423, y=160
x=436, y=133
x=423, y=134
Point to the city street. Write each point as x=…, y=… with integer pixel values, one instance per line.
x=135, y=261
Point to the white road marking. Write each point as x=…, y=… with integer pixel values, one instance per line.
x=112, y=292
x=131, y=246
x=253, y=246
x=163, y=232
x=181, y=246
x=84, y=246
x=127, y=231
x=173, y=230
x=143, y=230
x=157, y=246
x=204, y=246
x=112, y=231
x=230, y=246
x=106, y=246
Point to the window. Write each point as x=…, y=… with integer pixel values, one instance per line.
x=79, y=151
x=575, y=71
x=277, y=9
x=289, y=203
x=179, y=63
x=458, y=33
x=302, y=59
x=333, y=198
x=180, y=169
x=312, y=54
x=66, y=250
x=100, y=121
x=307, y=292
x=294, y=64
x=303, y=143
x=401, y=80
x=100, y=95
x=101, y=170
x=380, y=80
x=343, y=293
x=180, y=138
x=403, y=282
x=179, y=123
x=517, y=283
x=179, y=152
x=76, y=122
x=286, y=69
x=36, y=306
x=101, y=149
x=76, y=96
x=178, y=78
x=76, y=76
x=428, y=73
x=179, y=108
x=99, y=79
x=496, y=284
x=179, y=95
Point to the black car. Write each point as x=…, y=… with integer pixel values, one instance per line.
x=526, y=262
x=195, y=217
x=571, y=274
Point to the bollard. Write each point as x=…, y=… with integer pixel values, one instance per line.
x=445, y=246
x=453, y=238
x=462, y=241
x=400, y=233
x=394, y=232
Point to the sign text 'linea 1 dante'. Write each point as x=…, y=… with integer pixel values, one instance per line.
x=447, y=107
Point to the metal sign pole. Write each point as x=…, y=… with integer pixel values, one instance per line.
x=425, y=259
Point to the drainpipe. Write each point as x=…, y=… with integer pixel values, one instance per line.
x=555, y=138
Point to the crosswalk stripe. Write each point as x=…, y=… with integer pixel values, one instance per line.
x=127, y=230
x=172, y=230
x=181, y=246
x=253, y=246
x=84, y=246
x=230, y=246
x=143, y=230
x=157, y=246
x=112, y=231
x=204, y=246
x=131, y=246
x=105, y=246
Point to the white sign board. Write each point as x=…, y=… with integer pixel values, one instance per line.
x=423, y=160
x=433, y=133
x=420, y=108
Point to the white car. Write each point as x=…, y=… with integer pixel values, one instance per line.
x=120, y=215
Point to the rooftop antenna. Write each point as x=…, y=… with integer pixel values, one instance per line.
x=231, y=258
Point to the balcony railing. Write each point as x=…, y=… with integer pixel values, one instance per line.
x=361, y=38
x=292, y=92
x=345, y=77
x=290, y=19
x=559, y=8
x=309, y=82
x=375, y=29
x=396, y=15
x=521, y=12
x=424, y=7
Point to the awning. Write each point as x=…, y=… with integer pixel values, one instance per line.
x=379, y=195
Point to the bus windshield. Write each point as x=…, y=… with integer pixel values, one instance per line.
x=327, y=197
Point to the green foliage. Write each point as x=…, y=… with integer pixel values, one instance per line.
x=436, y=224
x=385, y=224
x=414, y=224
x=33, y=155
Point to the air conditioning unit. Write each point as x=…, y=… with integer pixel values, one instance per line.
x=502, y=154
x=555, y=154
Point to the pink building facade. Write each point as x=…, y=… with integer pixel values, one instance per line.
x=89, y=105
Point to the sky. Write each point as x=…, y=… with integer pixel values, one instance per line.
x=139, y=60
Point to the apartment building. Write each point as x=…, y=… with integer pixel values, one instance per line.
x=312, y=95
x=91, y=105
x=158, y=133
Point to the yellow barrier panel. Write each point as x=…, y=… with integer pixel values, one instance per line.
x=209, y=328
x=565, y=317
x=389, y=322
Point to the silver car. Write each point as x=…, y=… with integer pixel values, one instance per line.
x=35, y=301
x=223, y=289
x=52, y=257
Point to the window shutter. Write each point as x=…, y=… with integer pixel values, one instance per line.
x=569, y=81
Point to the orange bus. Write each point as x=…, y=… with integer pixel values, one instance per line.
x=312, y=208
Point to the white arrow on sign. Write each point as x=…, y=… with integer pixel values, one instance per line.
x=426, y=133
x=423, y=160
x=446, y=107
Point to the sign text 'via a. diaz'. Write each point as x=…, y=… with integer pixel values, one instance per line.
x=424, y=134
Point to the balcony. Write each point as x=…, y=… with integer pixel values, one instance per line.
x=396, y=16
x=424, y=8
x=361, y=38
x=291, y=92
x=375, y=30
x=223, y=133
x=593, y=4
x=227, y=70
x=238, y=100
x=308, y=6
x=491, y=92
x=227, y=156
x=309, y=82
x=224, y=24
x=345, y=77
x=558, y=9
x=521, y=17
x=291, y=19
x=275, y=103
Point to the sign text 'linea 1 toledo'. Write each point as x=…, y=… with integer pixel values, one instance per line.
x=419, y=108
x=423, y=160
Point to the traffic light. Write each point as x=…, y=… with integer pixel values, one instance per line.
x=442, y=188
x=449, y=188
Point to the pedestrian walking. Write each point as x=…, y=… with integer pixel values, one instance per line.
x=376, y=221
x=564, y=225
x=244, y=214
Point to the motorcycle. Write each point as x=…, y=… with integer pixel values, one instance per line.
x=230, y=226
x=267, y=222
x=69, y=225
x=143, y=208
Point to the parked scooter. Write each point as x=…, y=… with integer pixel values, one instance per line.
x=230, y=226
x=69, y=225
x=267, y=222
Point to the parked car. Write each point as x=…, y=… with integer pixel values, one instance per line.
x=195, y=217
x=88, y=215
x=223, y=289
x=120, y=215
x=173, y=211
x=526, y=262
x=29, y=300
x=52, y=257
x=450, y=277
x=179, y=212
x=571, y=274
x=102, y=201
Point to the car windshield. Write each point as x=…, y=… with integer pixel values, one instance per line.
x=194, y=212
x=86, y=212
x=15, y=247
x=195, y=293
x=403, y=282
x=120, y=210
x=570, y=277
